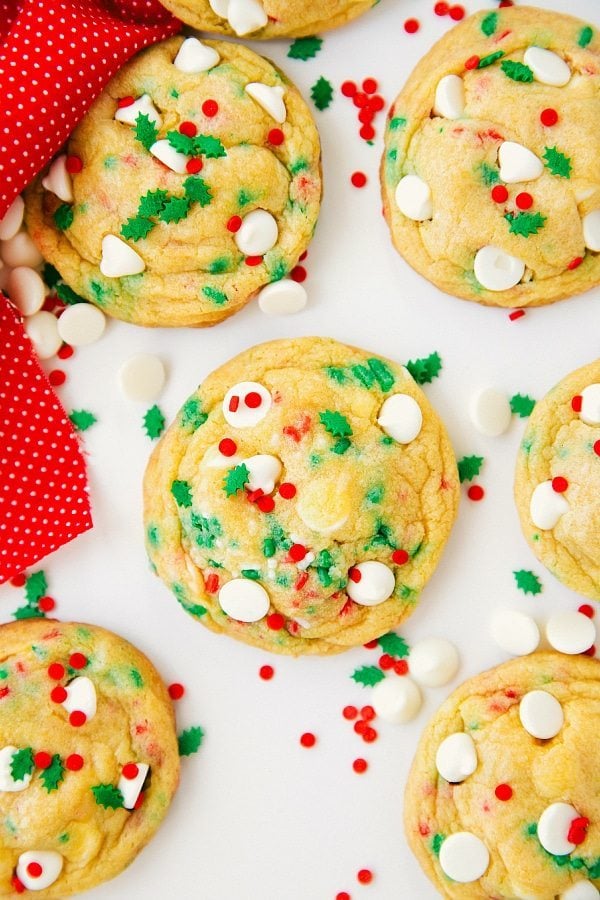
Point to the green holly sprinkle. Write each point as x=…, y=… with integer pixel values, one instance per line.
x=63, y=216
x=341, y=446
x=585, y=36
x=558, y=163
x=236, y=479
x=517, y=71
x=214, y=294
x=152, y=203
x=53, y=775
x=22, y=763
x=469, y=467
x=322, y=93
x=525, y=224
x=197, y=190
x=190, y=740
x=182, y=492
x=154, y=422
x=489, y=24
x=82, y=419
x=68, y=295
x=528, y=581
x=394, y=645
x=191, y=416
x=490, y=59
x=367, y=676
x=522, y=405
x=335, y=423
x=304, y=48
x=146, y=131
x=175, y=209
x=137, y=228
x=108, y=796
x=426, y=369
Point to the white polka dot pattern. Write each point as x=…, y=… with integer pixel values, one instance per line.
x=43, y=487
x=55, y=58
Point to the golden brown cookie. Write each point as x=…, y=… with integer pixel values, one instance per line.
x=502, y=800
x=88, y=756
x=302, y=497
x=557, y=486
x=490, y=177
x=193, y=181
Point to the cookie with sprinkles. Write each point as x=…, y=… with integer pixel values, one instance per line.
x=88, y=756
x=198, y=182
x=489, y=174
x=557, y=485
x=260, y=19
x=302, y=497
x=502, y=799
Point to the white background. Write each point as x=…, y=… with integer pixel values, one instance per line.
x=257, y=816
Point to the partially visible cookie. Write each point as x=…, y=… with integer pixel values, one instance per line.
x=502, y=799
x=302, y=497
x=193, y=181
x=557, y=486
x=88, y=756
x=490, y=176
x=268, y=18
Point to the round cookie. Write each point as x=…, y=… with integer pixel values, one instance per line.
x=88, y=756
x=491, y=810
x=193, y=181
x=268, y=18
x=489, y=175
x=302, y=497
x=557, y=485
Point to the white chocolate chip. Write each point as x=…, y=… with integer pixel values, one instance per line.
x=396, y=700
x=413, y=198
x=515, y=632
x=547, y=506
x=591, y=230
x=401, y=418
x=142, y=106
x=26, y=290
x=119, y=259
x=58, y=181
x=244, y=600
x=570, y=632
x=81, y=697
x=246, y=16
x=583, y=890
x=170, y=157
x=496, y=270
x=517, y=163
x=490, y=412
x=257, y=233
x=456, y=757
x=553, y=828
x=541, y=714
x=131, y=788
x=20, y=250
x=590, y=405
x=374, y=586
x=219, y=7
x=282, y=298
x=50, y=862
x=142, y=377
x=240, y=408
x=264, y=472
x=194, y=56
x=450, y=97
x=270, y=98
x=464, y=857
x=547, y=67
x=42, y=330
x=8, y=784
x=12, y=219
x=81, y=324
x=434, y=662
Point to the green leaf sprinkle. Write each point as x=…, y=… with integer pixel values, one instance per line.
x=525, y=224
x=182, y=492
x=146, y=131
x=154, y=422
x=517, y=71
x=82, y=419
x=304, y=48
x=490, y=59
x=22, y=763
x=322, y=93
x=335, y=423
x=558, y=163
x=236, y=479
x=175, y=209
x=108, y=796
x=367, y=675
x=54, y=774
x=137, y=228
x=197, y=191
x=528, y=581
x=190, y=740
x=63, y=216
x=489, y=24
x=426, y=369
x=394, y=645
x=469, y=467
x=522, y=405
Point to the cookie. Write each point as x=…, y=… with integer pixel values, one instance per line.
x=557, y=485
x=489, y=174
x=268, y=18
x=302, y=497
x=193, y=181
x=88, y=756
x=502, y=800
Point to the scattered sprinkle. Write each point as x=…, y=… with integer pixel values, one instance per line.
x=322, y=93
x=522, y=405
x=304, y=48
x=528, y=581
x=469, y=467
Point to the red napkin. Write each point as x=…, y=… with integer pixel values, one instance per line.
x=55, y=58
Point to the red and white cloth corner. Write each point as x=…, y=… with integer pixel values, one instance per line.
x=55, y=58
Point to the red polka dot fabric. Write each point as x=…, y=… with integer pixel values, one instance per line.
x=43, y=486
x=55, y=58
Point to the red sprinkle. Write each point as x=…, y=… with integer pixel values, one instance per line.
x=308, y=739
x=365, y=876
x=400, y=557
x=367, y=132
x=287, y=490
x=139, y=801
x=576, y=402
x=73, y=165
x=34, y=869
x=524, y=200
x=578, y=830
x=597, y=448
x=234, y=224
x=125, y=101
x=457, y=13
x=74, y=762
x=360, y=765
x=78, y=661
x=441, y=9
x=266, y=672
x=298, y=274
x=276, y=137
x=56, y=671
x=366, y=115
x=275, y=621
x=575, y=263
x=303, y=256
x=354, y=574
x=411, y=25
x=586, y=610
x=193, y=166
x=386, y=662
x=369, y=735
x=369, y=85
x=370, y=645
x=348, y=89
x=227, y=447
x=503, y=792
x=376, y=103
x=499, y=193
x=65, y=352
x=58, y=694
x=401, y=667
x=253, y=260
x=504, y=3
x=361, y=726
x=475, y=492
x=189, y=129
x=368, y=713
x=548, y=117
x=516, y=314
x=343, y=895
x=130, y=771
x=297, y=552
x=18, y=886
x=360, y=99
x=77, y=718
x=212, y=583
x=43, y=760
x=266, y=504
x=472, y=62
x=301, y=581
x=358, y=179
x=234, y=403
x=18, y=580
x=176, y=691
x=253, y=400
x=349, y=712
x=210, y=108
x=559, y=484
x=46, y=604
x=591, y=651
x=56, y=377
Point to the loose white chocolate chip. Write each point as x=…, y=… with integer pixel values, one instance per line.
x=26, y=290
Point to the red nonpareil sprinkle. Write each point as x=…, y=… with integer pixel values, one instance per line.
x=559, y=484
x=366, y=115
x=78, y=661
x=343, y=895
x=308, y=739
x=18, y=886
x=401, y=667
x=358, y=179
x=503, y=792
x=376, y=103
x=234, y=224
x=354, y=574
x=400, y=557
x=475, y=492
x=367, y=132
x=275, y=622
x=386, y=662
x=227, y=447
x=287, y=490
x=575, y=263
x=368, y=713
x=472, y=62
x=266, y=504
x=46, y=604
x=253, y=260
x=303, y=256
x=189, y=129
x=441, y=9
x=360, y=765
x=130, y=771
x=212, y=583
x=348, y=88
x=578, y=830
x=56, y=671
x=298, y=274
x=369, y=735
x=361, y=726
x=176, y=691
x=74, y=762
x=369, y=85
x=77, y=718
x=411, y=26
x=499, y=193
x=504, y=3
x=125, y=101
x=43, y=760
x=253, y=496
x=193, y=166
x=301, y=581
x=586, y=610
x=58, y=694
x=597, y=448
x=56, y=377
x=457, y=13
x=266, y=672
x=253, y=400
x=18, y=580
x=549, y=117
x=349, y=712
x=210, y=108
x=524, y=200
x=360, y=99
x=370, y=645
x=73, y=165
x=365, y=876
x=576, y=402
x=234, y=403
x=297, y=552
x=34, y=869
x=516, y=314
x=276, y=137
x=65, y=352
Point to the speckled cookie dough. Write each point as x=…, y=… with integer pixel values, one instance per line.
x=268, y=18
x=193, y=181
x=88, y=756
x=490, y=174
x=502, y=800
x=557, y=486
x=302, y=497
